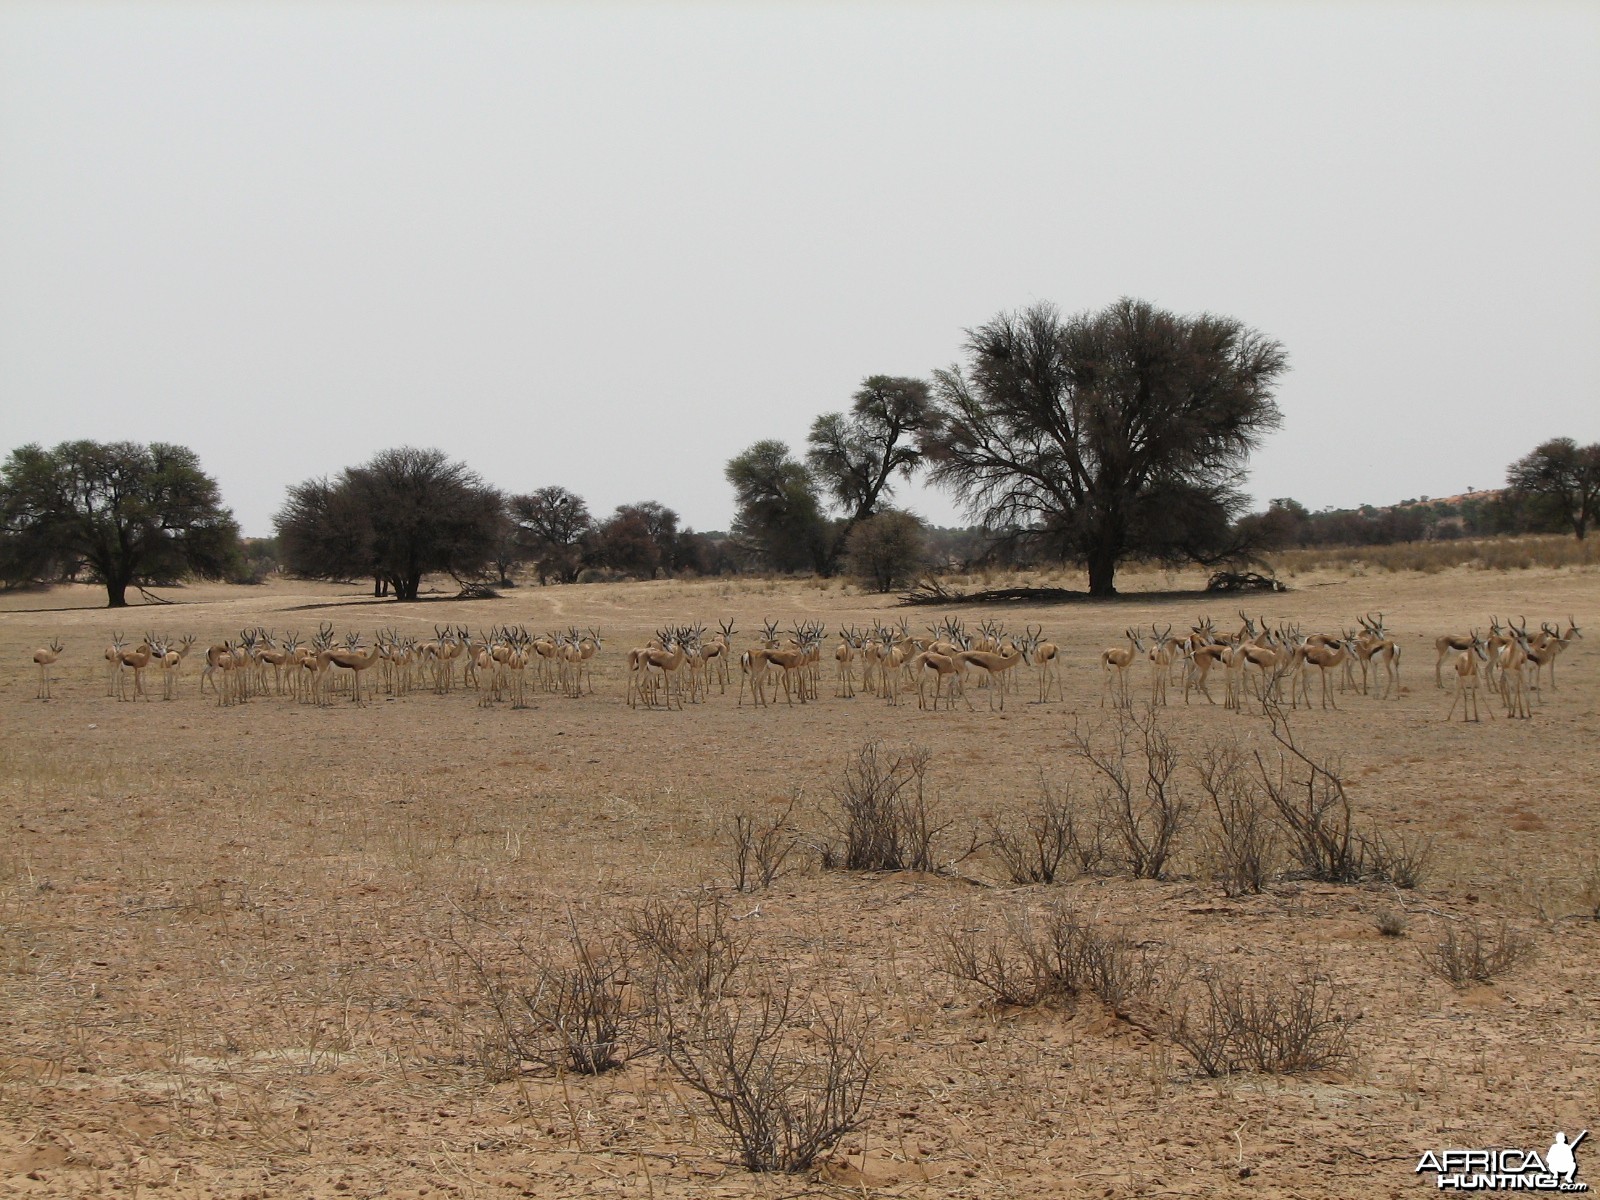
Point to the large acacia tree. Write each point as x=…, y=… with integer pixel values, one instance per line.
x=134, y=514
x=1107, y=435
x=1563, y=476
x=406, y=513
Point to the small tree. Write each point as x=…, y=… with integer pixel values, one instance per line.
x=135, y=514
x=552, y=524
x=640, y=539
x=404, y=514
x=887, y=550
x=856, y=456
x=779, y=513
x=1564, y=476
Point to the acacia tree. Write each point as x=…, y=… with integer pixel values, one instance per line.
x=856, y=456
x=1565, y=477
x=135, y=514
x=641, y=539
x=779, y=515
x=554, y=524
x=406, y=513
x=1107, y=435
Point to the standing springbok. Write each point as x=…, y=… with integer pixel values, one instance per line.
x=44, y=658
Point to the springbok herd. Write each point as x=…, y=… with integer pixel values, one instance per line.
x=682, y=663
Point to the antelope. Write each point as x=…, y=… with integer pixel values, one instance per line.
x=44, y=658
x=1047, y=662
x=1119, y=659
x=1447, y=645
x=1375, y=643
x=942, y=667
x=1200, y=661
x=873, y=649
x=668, y=662
x=588, y=646
x=1269, y=659
x=519, y=643
x=844, y=657
x=547, y=649
x=170, y=661
x=1494, y=643
x=220, y=658
x=1161, y=653
x=352, y=660
x=1555, y=642
x=313, y=663
x=1322, y=656
x=113, y=658
x=1513, y=663
x=1466, y=668
x=902, y=649
x=995, y=666
x=716, y=653
x=790, y=661
x=482, y=658
x=271, y=656
x=135, y=660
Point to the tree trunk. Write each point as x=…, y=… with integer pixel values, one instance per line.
x=407, y=588
x=380, y=587
x=1102, y=572
x=116, y=593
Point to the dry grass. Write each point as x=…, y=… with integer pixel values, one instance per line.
x=1479, y=554
x=234, y=943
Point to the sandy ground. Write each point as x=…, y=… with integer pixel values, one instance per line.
x=235, y=943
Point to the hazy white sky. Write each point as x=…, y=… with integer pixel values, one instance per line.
x=609, y=245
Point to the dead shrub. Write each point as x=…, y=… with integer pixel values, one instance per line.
x=1053, y=959
x=785, y=1078
x=1466, y=953
x=694, y=947
x=1143, y=809
x=1072, y=956
x=1399, y=859
x=1241, y=847
x=760, y=848
x=1053, y=837
x=1391, y=922
x=569, y=1011
x=1275, y=1025
x=885, y=815
x=994, y=962
x=1308, y=797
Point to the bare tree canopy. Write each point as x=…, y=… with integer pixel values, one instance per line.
x=1565, y=476
x=395, y=519
x=135, y=514
x=886, y=550
x=1107, y=435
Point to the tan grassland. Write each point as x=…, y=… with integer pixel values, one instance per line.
x=232, y=940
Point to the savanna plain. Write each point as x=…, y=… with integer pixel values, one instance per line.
x=276, y=949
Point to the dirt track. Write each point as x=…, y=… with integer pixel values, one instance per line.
x=230, y=938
